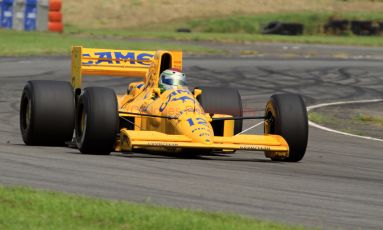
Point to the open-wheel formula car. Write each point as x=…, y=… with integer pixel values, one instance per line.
x=147, y=118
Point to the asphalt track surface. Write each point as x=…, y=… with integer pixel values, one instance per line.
x=339, y=183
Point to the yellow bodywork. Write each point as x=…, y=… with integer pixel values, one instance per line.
x=178, y=121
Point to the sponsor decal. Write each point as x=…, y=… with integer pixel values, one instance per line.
x=204, y=134
x=199, y=129
x=117, y=57
x=198, y=120
x=252, y=147
x=195, y=109
x=173, y=97
x=163, y=144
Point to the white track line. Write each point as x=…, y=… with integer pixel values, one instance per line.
x=342, y=103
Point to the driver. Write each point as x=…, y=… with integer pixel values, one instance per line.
x=171, y=79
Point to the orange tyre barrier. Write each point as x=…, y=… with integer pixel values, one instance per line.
x=55, y=5
x=55, y=16
x=55, y=27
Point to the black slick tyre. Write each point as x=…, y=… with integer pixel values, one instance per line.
x=216, y=100
x=47, y=111
x=286, y=115
x=96, y=121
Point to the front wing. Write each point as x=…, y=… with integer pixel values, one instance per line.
x=272, y=144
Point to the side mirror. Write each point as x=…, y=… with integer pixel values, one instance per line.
x=197, y=92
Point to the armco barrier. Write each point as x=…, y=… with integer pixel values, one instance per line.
x=6, y=14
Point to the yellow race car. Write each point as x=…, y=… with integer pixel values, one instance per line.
x=150, y=118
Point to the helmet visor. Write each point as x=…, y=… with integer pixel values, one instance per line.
x=172, y=81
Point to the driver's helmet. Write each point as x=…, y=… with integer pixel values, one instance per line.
x=171, y=79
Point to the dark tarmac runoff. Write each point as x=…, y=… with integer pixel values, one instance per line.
x=338, y=185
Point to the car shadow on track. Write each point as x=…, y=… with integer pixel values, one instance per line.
x=188, y=156
x=164, y=155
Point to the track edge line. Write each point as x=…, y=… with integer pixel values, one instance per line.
x=313, y=124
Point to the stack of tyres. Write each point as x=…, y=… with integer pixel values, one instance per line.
x=6, y=14
x=1, y=3
x=30, y=15
x=25, y=12
x=55, y=23
x=283, y=28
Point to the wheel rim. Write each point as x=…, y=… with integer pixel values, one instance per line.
x=269, y=125
x=26, y=113
x=82, y=120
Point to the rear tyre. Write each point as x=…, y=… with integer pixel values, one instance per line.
x=222, y=101
x=47, y=111
x=286, y=115
x=96, y=121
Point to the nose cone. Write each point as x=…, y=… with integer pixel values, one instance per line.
x=196, y=127
x=191, y=120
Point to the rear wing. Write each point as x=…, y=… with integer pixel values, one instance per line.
x=121, y=63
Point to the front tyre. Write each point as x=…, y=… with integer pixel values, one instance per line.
x=286, y=115
x=96, y=121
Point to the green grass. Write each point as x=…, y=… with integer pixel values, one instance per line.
x=321, y=118
x=353, y=131
x=235, y=38
x=230, y=29
x=313, y=21
x=253, y=24
x=14, y=43
x=374, y=120
x=333, y=122
x=243, y=29
x=24, y=208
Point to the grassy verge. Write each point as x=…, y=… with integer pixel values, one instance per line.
x=229, y=29
x=246, y=28
x=349, y=121
x=369, y=119
x=321, y=118
x=14, y=43
x=22, y=208
x=332, y=121
x=312, y=21
x=139, y=13
x=376, y=41
x=360, y=118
